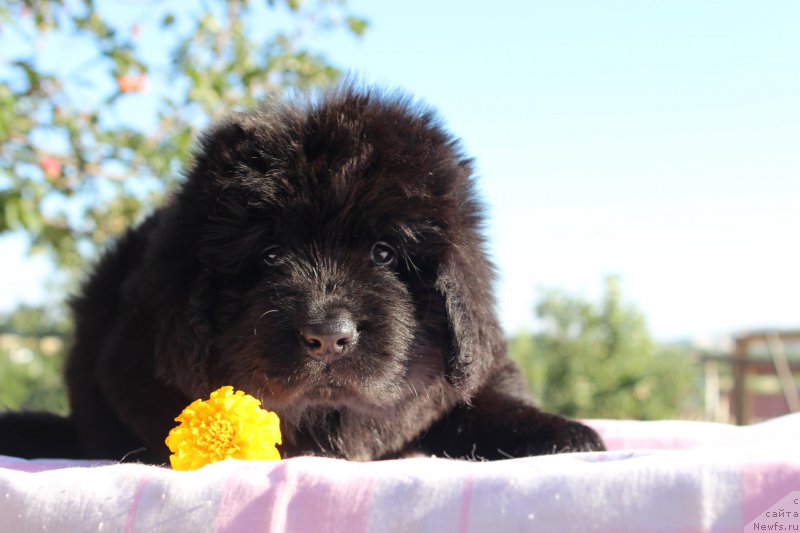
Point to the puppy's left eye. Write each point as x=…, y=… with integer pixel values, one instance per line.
x=272, y=256
x=383, y=254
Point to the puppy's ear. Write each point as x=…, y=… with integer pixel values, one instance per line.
x=179, y=297
x=465, y=280
x=181, y=353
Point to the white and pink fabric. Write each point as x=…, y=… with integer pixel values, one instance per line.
x=666, y=476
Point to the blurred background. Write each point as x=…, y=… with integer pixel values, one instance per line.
x=639, y=162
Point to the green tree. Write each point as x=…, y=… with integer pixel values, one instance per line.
x=100, y=101
x=32, y=343
x=99, y=104
x=598, y=360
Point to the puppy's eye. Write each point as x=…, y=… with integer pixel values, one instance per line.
x=272, y=256
x=383, y=254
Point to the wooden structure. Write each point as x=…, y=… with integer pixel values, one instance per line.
x=764, y=353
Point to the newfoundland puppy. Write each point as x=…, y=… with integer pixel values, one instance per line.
x=325, y=257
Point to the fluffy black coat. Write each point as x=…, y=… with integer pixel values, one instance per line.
x=325, y=257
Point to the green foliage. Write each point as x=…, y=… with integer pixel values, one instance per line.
x=598, y=360
x=98, y=111
x=31, y=358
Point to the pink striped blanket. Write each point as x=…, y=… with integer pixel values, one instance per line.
x=667, y=476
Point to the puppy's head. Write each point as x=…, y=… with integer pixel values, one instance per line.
x=338, y=259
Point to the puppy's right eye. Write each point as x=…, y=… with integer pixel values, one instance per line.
x=383, y=254
x=272, y=256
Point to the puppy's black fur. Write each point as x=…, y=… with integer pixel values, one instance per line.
x=325, y=257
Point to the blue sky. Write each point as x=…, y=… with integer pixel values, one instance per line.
x=657, y=141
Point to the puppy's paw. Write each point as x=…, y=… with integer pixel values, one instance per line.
x=577, y=437
x=561, y=435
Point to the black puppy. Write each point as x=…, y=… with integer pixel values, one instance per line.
x=326, y=258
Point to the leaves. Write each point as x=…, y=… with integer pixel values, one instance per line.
x=91, y=142
x=98, y=114
x=597, y=359
x=357, y=25
x=32, y=342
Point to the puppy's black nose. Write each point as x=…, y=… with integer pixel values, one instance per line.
x=330, y=339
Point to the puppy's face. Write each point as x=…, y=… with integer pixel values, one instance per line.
x=322, y=237
x=325, y=306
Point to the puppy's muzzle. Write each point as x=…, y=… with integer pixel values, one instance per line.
x=331, y=338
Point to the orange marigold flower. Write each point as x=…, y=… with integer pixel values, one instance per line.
x=229, y=425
